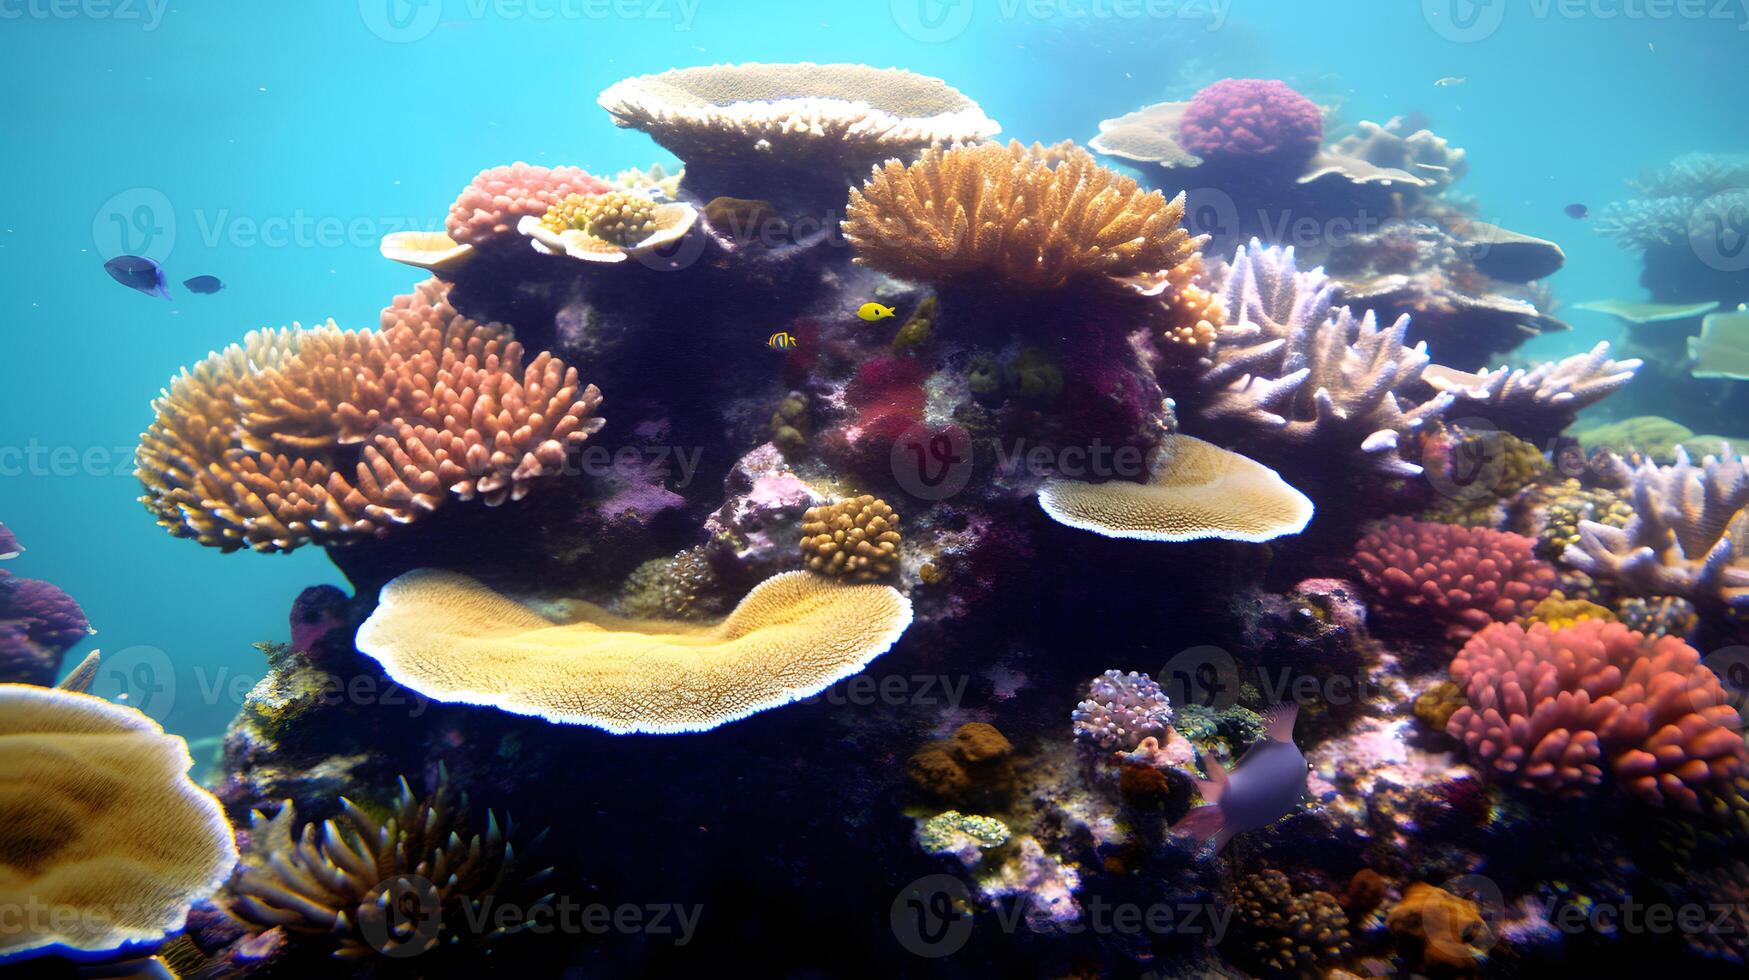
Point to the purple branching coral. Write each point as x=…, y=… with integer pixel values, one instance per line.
x=1535, y=402
x=1120, y=710
x=1310, y=374
x=1681, y=540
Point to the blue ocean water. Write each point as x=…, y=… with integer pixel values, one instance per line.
x=272, y=145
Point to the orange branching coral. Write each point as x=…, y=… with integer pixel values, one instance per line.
x=1033, y=217
x=323, y=435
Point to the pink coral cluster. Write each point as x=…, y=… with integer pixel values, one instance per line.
x=1549, y=708
x=491, y=204
x=1464, y=577
x=1252, y=118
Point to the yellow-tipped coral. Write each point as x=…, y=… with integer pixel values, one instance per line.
x=608, y=227
x=453, y=639
x=104, y=831
x=1197, y=490
x=857, y=539
x=1008, y=216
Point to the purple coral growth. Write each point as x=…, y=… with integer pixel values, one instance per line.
x=1120, y=710
x=9, y=546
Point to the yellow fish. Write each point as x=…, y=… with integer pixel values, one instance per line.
x=782, y=340
x=874, y=311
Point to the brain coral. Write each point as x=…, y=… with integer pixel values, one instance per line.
x=856, y=538
x=1550, y=708
x=1463, y=577
x=327, y=436
x=104, y=831
x=1007, y=216
x=1197, y=490
x=453, y=639
x=1252, y=118
x=496, y=199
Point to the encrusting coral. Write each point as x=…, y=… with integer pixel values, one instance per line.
x=1682, y=538
x=327, y=436
x=1550, y=708
x=1443, y=934
x=607, y=227
x=1002, y=214
x=453, y=639
x=1195, y=490
x=1464, y=578
x=395, y=886
x=106, y=837
x=857, y=539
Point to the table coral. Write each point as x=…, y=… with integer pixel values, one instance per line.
x=1463, y=578
x=328, y=436
x=1549, y=709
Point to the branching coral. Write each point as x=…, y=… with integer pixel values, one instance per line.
x=326, y=436
x=1535, y=402
x=1120, y=710
x=1289, y=933
x=1309, y=376
x=1260, y=119
x=1005, y=218
x=492, y=203
x=398, y=886
x=1682, y=538
x=107, y=841
x=1464, y=578
x=1669, y=197
x=857, y=539
x=453, y=639
x=1550, y=708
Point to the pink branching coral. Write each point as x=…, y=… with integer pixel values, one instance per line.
x=496, y=199
x=1549, y=708
x=1464, y=577
x=1252, y=118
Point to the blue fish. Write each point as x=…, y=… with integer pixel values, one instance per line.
x=203, y=284
x=137, y=272
x=1265, y=785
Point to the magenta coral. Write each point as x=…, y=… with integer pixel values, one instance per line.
x=491, y=205
x=1463, y=577
x=1252, y=118
x=1550, y=708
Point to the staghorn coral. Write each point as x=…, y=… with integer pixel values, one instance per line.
x=608, y=227
x=492, y=203
x=1309, y=376
x=1682, y=538
x=1463, y=578
x=1253, y=119
x=107, y=840
x=857, y=539
x=1002, y=217
x=1120, y=710
x=453, y=639
x=1195, y=490
x=326, y=436
x=334, y=881
x=1537, y=402
x=1548, y=709
x=794, y=117
x=1287, y=932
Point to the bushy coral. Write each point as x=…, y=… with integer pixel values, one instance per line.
x=38, y=623
x=1463, y=578
x=1550, y=709
x=1120, y=710
x=857, y=539
x=327, y=436
x=1251, y=118
x=1288, y=932
x=491, y=205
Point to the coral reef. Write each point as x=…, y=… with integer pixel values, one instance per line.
x=608, y=227
x=492, y=203
x=1463, y=578
x=108, y=841
x=857, y=539
x=1289, y=933
x=252, y=448
x=1549, y=708
x=1255, y=119
x=1121, y=710
x=1538, y=402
